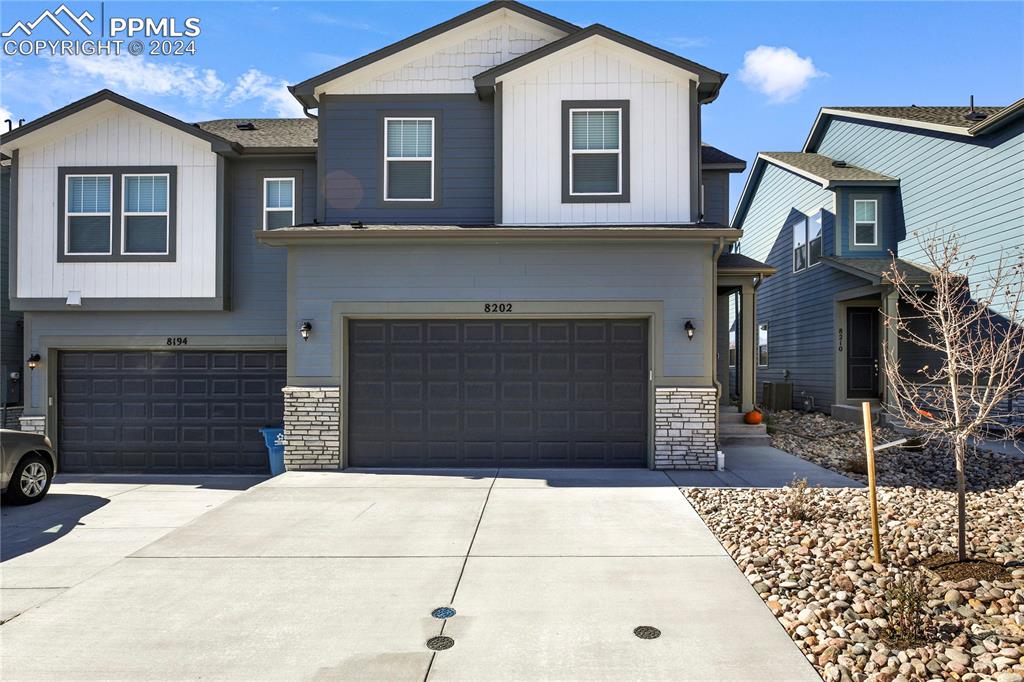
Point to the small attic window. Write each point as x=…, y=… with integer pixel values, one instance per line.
x=246, y=125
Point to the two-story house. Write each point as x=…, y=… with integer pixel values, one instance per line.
x=868, y=186
x=496, y=242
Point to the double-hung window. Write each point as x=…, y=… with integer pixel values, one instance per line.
x=409, y=159
x=595, y=152
x=865, y=222
x=145, y=218
x=807, y=241
x=762, y=344
x=814, y=238
x=87, y=214
x=278, y=202
x=800, y=245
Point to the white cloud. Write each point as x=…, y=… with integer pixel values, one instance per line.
x=133, y=76
x=778, y=72
x=270, y=91
x=688, y=42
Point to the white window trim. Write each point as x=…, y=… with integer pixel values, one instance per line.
x=433, y=136
x=68, y=215
x=874, y=222
x=617, y=151
x=266, y=209
x=757, y=349
x=125, y=214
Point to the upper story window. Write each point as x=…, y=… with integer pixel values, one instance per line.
x=865, y=222
x=278, y=202
x=123, y=214
x=145, y=215
x=409, y=159
x=596, y=155
x=87, y=223
x=807, y=241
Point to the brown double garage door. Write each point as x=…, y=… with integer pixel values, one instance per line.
x=520, y=393
x=173, y=412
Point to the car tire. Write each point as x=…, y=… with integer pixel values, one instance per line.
x=30, y=481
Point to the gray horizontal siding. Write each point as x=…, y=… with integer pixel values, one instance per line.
x=11, y=352
x=674, y=274
x=716, y=196
x=947, y=182
x=351, y=130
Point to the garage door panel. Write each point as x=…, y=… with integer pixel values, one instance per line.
x=511, y=393
x=168, y=412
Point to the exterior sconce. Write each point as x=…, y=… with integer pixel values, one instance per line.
x=33, y=361
x=689, y=329
x=305, y=329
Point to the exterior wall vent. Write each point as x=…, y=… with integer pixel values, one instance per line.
x=839, y=164
x=246, y=125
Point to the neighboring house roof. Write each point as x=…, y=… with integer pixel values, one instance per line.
x=875, y=269
x=953, y=120
x=737, y=263
x=710, y=80
x=304, y=91
x=713, y=158
x=270, y=134
x=218, y=143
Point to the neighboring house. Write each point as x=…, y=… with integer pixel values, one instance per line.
x=11, y=357
x=492, y=249
x=868, y=185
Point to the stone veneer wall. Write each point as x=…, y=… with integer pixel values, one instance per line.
x=312, y=427
x=34, y=424
x=685, y=426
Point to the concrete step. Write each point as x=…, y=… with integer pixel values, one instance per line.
x=730, y=417
x=743, y=429
x=746, y=439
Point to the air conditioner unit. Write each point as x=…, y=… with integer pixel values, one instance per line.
x=777, y=395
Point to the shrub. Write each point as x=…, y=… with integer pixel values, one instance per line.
x=798, y=502
x=907, y=597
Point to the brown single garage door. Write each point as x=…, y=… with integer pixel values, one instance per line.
x=167, y=412
x=559, y=393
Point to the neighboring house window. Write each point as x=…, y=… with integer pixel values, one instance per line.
x=865, y=222
x=732, y=347
x=762, y=345
x=145, y=219
x=88, y=218
x=408, y=159
x=814, y=238
x=595, y=158
x=800, y=245
x=278, y=202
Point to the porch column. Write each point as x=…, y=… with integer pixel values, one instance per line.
x=890, y=308
x=748, y=347
x=722, y=346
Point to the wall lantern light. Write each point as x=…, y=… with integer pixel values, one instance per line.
x=33, y=361
x=689, y=329
x=305, y=329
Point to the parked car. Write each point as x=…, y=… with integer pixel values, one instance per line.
x=27, y=466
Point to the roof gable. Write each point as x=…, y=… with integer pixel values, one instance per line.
x=709, y=80
x=308, y=90
x=217, y=143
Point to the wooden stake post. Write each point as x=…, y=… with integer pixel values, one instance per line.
x=869, y=446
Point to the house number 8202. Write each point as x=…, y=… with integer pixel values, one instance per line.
x=177, y=340
x=497, y=307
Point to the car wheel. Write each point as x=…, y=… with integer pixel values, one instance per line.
x=31, y=480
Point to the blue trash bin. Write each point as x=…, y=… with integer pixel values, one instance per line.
x=274, y=438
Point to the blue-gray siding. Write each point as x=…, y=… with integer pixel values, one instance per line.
x=716, y=196
x=950, y=182
x=258, y=277
x=351, y=157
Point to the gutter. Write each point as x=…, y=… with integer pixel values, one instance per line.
x=321, y=235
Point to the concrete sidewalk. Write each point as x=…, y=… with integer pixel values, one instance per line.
x=334, y=575
x=750, y=466
x=87, y=523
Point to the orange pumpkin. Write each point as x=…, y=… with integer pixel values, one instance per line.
x=752, y=417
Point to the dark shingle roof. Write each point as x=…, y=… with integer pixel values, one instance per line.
x=737, y=261
x=875, y=269
x=713, y=156
x=824, y=168
x=945, y=116
x=268, y=133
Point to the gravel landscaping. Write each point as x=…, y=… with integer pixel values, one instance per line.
x=807, y=553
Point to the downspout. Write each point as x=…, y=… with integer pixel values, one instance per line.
x=305, y=110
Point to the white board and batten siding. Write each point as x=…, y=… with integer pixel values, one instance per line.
x=659, y=120
x=110, y=135
x=447, y=63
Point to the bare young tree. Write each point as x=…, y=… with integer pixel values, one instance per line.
x=977, y=339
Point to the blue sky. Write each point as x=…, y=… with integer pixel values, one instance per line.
x=811, y=55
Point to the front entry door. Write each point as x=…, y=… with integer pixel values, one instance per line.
x=862, y=353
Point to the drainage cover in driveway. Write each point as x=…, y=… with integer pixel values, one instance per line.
x=440, y=643
x=443, y=612
x=647, y=632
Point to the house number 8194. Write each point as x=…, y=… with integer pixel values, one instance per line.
x=177, y=340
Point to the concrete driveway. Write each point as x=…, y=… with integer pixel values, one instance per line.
x=334, y=575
